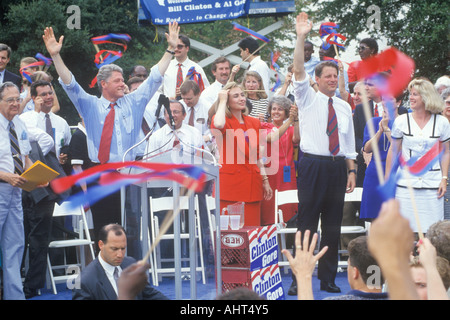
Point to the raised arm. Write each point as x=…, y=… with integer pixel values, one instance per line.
x=54, y=47
x=220, y=117
x=303, y=27
x=172, y=38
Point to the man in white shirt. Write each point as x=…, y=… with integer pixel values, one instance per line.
x=221, y=69
x=42, y=117
x=248, y=47
x=182, y=141
x=178, y=69
x=326, y=170
x=196, y=108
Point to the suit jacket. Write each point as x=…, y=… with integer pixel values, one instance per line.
x=95, y=285
x=14, y=78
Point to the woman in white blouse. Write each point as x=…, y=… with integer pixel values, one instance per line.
x=414, y=134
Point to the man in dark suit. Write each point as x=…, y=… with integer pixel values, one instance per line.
x=98, y=281
x=5, y=75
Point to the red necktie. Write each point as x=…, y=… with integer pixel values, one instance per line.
x=375, y=112
x=105, y=140
x=191, y=117
x=179, y=77
x=332, y=129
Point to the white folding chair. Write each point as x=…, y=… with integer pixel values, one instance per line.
x=166, y=204
x=284, y=197
x=82, y=238
x=211, y=205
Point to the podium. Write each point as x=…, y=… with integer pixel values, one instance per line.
x=211, y=170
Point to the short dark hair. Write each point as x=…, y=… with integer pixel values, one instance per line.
x=185, y=40
x=134, y=80
x=360, y=257
x=371, y=43
x=114, y=227
x=39, y=83
x=248, y=43
x=4, y=47
x=322, y=65
x=219, y=60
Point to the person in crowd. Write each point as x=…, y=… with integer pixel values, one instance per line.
x=99, y=280
x=371, y=199
x=221, y=69
x=326, y=169
x=282, y=134
x=445, y=95
x=118, y=115
x=287, y=89
x=38, y=209
x=248, y=50
x=139, y=71
x=257, y=98
x=413, y=134
x=310, y=61
x=14, y=154
x=242, y=175
x=442, y=83
x=439, y=235
x=178, y=69
x=368, y=47
x=5, y=75
x=28, y=103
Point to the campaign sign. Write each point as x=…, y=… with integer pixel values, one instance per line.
x=263, y=247
x=161, y=12
x=267, y=283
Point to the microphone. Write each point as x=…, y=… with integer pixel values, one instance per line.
x=165, y=101
x=160, y=103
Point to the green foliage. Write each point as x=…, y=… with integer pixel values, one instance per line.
x=418, y=28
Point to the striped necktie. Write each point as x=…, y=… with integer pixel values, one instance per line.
x=15, y=150
x=375, y=112
x=104, y=148
x=179, y=78
x=332, y=129
x=49, y=130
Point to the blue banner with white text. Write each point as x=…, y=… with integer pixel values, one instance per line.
x=161, y=12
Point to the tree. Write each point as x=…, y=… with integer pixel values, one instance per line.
x=417, y=28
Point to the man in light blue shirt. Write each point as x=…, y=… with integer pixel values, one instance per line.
x=129, y=110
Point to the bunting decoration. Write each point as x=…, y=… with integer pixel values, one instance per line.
x=104, y=57
x=43, y=61
x=192, y=74
x=274, y=66
x=329, y=35
x=110, y=180
x=255, y=34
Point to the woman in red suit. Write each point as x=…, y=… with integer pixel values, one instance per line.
x=282, y=134
x=242, y=175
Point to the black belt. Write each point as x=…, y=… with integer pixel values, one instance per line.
x=3, y=181
x=329, y=158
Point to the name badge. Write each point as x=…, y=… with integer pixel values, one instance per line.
x=24, y=135
x=286, y=174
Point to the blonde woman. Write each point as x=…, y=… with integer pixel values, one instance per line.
x=242, y=175
x=413, y=134
x=256, y=95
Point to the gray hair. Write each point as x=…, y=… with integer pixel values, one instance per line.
x=105, y=73
x=445, y=93
x=281, y=101
x=4, y=85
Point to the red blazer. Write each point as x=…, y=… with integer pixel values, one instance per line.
x=240, y=177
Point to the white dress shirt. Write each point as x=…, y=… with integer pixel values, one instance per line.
x=169, y=85
x=6, y=159
x=163, y=141
x=211, y=93
x=313, y=118
x=200, y=115
x=60, y=127
x=109, y=270
x=261, y=67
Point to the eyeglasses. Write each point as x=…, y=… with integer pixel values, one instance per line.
x=180, y=46
x=11, y=101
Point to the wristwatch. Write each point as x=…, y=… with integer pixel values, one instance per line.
x=352, y=170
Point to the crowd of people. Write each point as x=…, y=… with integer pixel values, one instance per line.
x=310, y=135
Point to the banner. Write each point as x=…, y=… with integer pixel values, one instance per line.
x=161, y=12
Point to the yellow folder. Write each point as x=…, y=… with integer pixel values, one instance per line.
x=39, y=173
